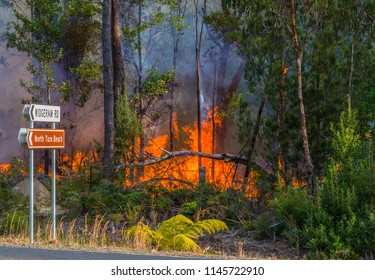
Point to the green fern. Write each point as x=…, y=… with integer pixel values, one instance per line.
x=141, y=236
x=180, y=233
x=177, y=233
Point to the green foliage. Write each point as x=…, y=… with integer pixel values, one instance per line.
x=10, y=200
x=155, y=86
x=141, y=235
x=37, y=35
x=292, y=206
x=340, y=41
x=227, y=24
x=350, y=237
x=108, y=197
x=51, y=31
x=264, y=226
x=79, y=39
x=141, y=111
x=244, y=121
x=177, y=233
x=156, y=16
x=190, y=208
x=339, y=225
x=347, y=147
x=128, y=126
x=80, y=31
x=87, y=76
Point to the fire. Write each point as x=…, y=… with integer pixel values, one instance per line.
x=78, y=160
x=4, y=167
x=178, y=172
x=174, y=173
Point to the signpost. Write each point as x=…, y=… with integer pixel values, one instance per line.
x=42, y=138
x=42, y=113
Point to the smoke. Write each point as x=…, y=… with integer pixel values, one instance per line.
x=82, y=124
x=85, y=124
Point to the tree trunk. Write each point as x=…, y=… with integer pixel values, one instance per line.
x=142, y=139
x=224, y=96
x=108, y=91
x=351, y=70
x=236, y=79
x=171, y=120
x=280, y=121
x=221, y=74
x=139, y=42
x=199, y=106
x=213, y=140
x=171, y=109
x=198, y=43
x=118, y=65
x=251, y=150
x=305, y=139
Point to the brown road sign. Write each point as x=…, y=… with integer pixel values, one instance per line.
x=44, y=138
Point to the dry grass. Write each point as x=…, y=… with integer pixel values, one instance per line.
x=102, y=233
x=75, y=232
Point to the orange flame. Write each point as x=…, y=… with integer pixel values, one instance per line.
x=4, y=167
x=178, y=172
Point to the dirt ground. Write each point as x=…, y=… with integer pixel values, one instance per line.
x=229, y=244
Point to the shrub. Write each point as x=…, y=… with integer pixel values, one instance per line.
x=341, y=224
x=292, y=207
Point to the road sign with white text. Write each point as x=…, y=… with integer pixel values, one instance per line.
x=42, y=113
x=44, y=138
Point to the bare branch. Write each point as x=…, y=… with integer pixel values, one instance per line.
x=185, y=153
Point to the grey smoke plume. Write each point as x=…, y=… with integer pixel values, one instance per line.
x=89, y=120
x=88, y=124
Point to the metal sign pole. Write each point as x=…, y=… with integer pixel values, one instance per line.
x=42, y=139
x=54, y=188
x=31, y=174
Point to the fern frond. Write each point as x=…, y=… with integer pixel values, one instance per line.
x=181, y=242
x=194, y=231
x=212, y=226
x=141, y=234
x=180, y=233
x=174, y=225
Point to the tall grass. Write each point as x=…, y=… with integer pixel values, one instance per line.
x=86, y=232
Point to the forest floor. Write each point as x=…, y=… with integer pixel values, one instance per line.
x=228, y=244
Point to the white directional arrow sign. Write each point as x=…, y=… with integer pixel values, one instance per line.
x=30, y=136
x=42, y=113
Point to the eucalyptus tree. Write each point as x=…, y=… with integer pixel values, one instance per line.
x=254, y=34
x=109, y=117
x=178, y=27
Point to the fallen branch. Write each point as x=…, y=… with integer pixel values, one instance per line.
x=184, y=153
x=168, y=155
